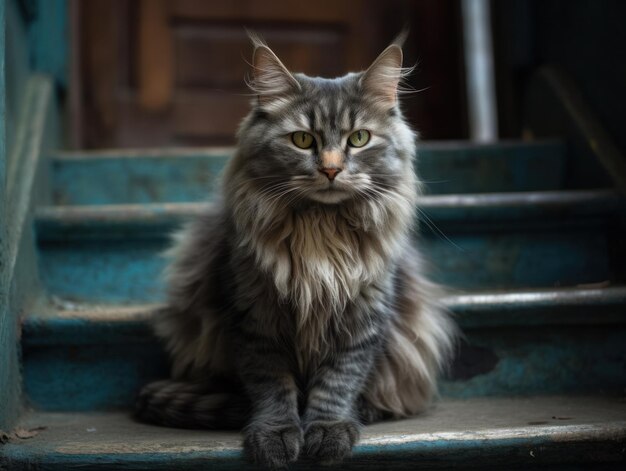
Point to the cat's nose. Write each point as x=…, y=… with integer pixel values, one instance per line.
x=331, y=163
x=331, y=172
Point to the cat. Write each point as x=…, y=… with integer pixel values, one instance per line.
x=297, y=309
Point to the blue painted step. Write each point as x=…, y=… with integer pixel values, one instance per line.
x=180, y=175
x=110, y=254
x=559, y=432
x=82, y=357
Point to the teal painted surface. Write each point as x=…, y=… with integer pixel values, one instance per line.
x=52, y=331
x=585, y=452
x=17, y=71
x=421, y=455
x=49, y=42
x=28, y=131
x=143, y=178
x=540, y=360
x=509, y=259
x=489, y=168
x=476, y=433
x=109, y=254
x=101, y=271
x=9, y=374
x=180, y=175
x=107, y=371
x=96, y=360
x=3, y=92
x=14, y=73
x=25, y=181
x=91, y=377
x=65, y=323
x=124, y=265
x=455, y=213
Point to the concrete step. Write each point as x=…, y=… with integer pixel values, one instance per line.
x=96, y=357
x=183, y=175
x=110, y=253
x=559, y=432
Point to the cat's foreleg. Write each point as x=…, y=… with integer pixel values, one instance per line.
x=331, y=426
x=273, y=437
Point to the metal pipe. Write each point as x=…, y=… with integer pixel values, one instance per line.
x=481, y=92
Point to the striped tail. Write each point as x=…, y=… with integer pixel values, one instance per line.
x=192, y=405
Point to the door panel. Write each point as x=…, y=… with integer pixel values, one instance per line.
x=159, y=72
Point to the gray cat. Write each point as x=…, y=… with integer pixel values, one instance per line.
x=297, y=308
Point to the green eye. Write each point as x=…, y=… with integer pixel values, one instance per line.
x=359, y=138
x=302, y=139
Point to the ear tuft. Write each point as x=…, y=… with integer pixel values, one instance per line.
x=382, y=78
x=271, y=80
x=401, y=38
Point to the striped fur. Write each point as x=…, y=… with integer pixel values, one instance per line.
x=305, y=293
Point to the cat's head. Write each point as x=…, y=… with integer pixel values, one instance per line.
x=326, y=140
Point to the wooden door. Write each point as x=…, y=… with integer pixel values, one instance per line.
x=159, y=72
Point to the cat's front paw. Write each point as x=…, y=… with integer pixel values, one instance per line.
x=273, y=446
x=330, y=441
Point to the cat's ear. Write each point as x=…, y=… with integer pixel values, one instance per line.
x=381, y=80
x=271, y=80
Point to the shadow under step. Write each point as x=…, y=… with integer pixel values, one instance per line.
x=86, y=357
x=477, y=433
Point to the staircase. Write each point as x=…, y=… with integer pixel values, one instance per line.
x=537, y=281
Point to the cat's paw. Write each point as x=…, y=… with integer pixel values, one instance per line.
x=273, y=446
x=330, y=441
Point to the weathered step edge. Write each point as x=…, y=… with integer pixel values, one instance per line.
x=530, y=446
x=54, y=222
x=474, y=433
x=88, y=325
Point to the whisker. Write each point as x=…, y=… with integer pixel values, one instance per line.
x=384, y=193
x=431, y=224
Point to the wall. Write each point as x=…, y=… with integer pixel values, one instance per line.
x=9, y=370
x=32, y=39
x=584, y=38
x=587, y=39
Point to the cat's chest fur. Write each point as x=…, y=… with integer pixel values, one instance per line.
x=320, y=263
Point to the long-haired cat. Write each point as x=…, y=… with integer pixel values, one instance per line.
x=296, y=306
